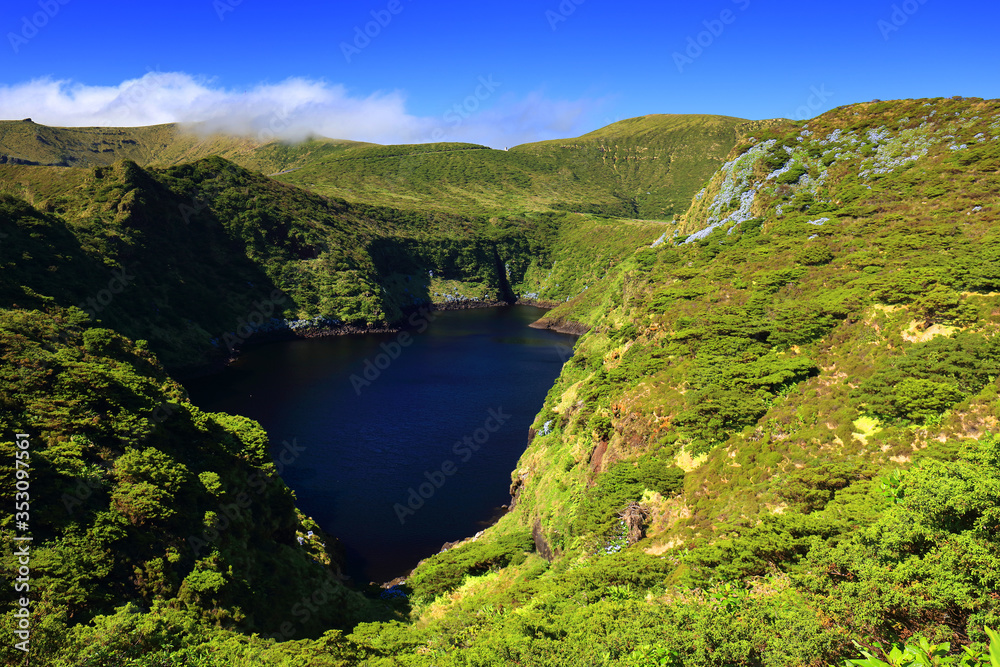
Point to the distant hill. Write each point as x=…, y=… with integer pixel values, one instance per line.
x=27, y=142
x=646, y=168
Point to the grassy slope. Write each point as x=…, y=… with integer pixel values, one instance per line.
x=645, y=167
x=892, y=259
x=654, y=163
x=166, y=144
x=777, y=368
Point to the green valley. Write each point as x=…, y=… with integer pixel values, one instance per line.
x=777, y=442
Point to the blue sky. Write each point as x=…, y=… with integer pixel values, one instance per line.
x=491, y=72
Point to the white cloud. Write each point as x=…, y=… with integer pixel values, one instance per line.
x=296, y=108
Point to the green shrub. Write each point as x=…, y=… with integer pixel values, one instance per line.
x=930, y=377
x=445, y=571
x=621, y=484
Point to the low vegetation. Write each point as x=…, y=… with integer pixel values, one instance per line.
x=776, y=444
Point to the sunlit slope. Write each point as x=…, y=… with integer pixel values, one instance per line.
x=27, y=142
x=653, y=164
x=830, y=302
x=646, y=167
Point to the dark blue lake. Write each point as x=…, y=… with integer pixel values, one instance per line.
x=400, y=442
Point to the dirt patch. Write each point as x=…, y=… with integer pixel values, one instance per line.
x=561, y=325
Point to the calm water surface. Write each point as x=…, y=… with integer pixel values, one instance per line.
x=458, y=399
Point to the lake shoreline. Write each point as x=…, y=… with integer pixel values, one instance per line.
x=322, y=331
x=357, y=559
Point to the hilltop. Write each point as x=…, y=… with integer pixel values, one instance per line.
x=27, y=142
x=646, y=168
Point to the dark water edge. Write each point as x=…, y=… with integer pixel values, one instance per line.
x=403, y=440
x=194, y=371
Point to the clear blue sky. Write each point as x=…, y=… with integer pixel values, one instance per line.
x=596, y=61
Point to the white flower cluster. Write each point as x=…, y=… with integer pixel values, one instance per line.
x=700, y=234
x=878, y=135
x=736, y=190
x=839, y=136
x=780, y=170
x=819, y=221
x=906, y=147
x=660, y=240
x=295, y=325
x=617, y=541
x=546, y=428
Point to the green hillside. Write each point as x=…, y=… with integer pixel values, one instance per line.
x=645, y=168
x=194, y=249
x=27, y=142
x=653, y=163
x=776, y=443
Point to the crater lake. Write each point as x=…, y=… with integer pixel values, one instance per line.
x=396, y=443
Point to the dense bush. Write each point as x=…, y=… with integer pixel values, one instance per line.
x=445, y=571
x=625, y=482
x=928, y=378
